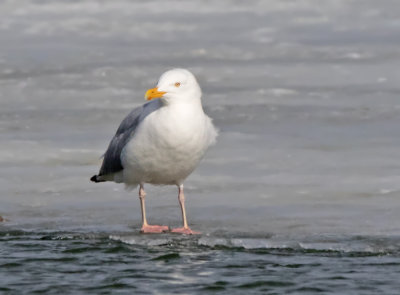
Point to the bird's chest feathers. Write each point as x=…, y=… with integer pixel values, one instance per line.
x=177, y=129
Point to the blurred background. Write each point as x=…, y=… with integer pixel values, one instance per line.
x=305, y=94
x=300, y=194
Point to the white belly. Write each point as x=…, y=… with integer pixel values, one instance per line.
x=166, y=148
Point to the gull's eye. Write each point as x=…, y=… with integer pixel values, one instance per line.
x=177, y=84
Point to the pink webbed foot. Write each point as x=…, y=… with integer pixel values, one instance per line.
x=185, y=231
x=154, y=229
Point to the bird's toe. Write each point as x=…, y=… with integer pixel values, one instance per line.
x=154, y=229
x=185, y=231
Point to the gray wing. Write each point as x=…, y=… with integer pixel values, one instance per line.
x=112, y=157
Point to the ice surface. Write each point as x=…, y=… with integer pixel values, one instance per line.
x=306, y=98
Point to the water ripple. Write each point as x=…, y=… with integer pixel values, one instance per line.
x=93, y=263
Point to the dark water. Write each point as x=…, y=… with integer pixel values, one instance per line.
x=100, y=263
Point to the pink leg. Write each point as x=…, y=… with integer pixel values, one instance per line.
x=146, y=228
x=185, y=229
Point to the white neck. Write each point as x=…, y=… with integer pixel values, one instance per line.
x=187, y=100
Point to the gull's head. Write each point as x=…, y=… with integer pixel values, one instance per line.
x=176, y=84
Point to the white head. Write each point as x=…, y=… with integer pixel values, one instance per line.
x=175, y=85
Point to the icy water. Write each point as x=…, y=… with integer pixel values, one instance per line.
x=299, y=196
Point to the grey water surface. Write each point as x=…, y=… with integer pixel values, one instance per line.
x=300, y=195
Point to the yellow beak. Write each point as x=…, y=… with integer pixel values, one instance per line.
x=153, y=93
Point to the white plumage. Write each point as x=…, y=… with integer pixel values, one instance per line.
x=161, y=142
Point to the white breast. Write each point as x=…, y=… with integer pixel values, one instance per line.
x=168, y=145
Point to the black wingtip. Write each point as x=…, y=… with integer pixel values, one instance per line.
x=94, y=178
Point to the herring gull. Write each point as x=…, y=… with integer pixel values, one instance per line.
x=161, y=142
